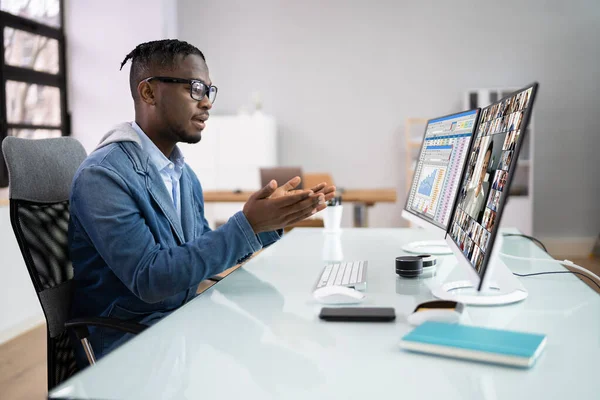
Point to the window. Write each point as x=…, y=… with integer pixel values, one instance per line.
x=32, y=74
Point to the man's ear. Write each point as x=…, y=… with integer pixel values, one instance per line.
x=146, y=93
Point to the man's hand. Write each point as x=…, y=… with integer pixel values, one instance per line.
x=288, y=188
x=327, y=191
x=266, y=212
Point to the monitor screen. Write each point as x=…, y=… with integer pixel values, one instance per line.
x=440, y=167
x=491, y=164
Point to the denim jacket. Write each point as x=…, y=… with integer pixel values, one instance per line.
x=133, y=258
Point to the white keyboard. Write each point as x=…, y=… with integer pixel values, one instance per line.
x=349, y=273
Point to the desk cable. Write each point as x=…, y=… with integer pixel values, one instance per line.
x=537, y=241
x=563, y=262
x=586, y=273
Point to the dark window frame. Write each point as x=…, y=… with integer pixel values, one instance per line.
x=12, y=73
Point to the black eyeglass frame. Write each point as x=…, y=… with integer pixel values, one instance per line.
x=191, y=82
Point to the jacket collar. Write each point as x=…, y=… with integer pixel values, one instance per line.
x=130, y=142
x=158, y=191
x=188, y=205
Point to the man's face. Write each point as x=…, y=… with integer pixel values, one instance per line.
x=182, y=118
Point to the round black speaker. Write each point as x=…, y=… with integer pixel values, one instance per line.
x=409, y=266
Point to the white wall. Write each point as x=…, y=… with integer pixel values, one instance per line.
x=99, y=35
x=341, y=76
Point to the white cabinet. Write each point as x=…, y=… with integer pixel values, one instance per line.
x=518, y=212
x=229, y=157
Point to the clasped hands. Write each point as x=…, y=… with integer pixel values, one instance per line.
x=274, y=207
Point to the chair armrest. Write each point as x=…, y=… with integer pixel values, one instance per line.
x=80, y=325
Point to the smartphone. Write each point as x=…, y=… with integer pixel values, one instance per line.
x=358, y=314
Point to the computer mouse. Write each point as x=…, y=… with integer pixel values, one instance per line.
x=439, y=315
x=338, y=295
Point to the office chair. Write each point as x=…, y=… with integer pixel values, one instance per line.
x=40, y=174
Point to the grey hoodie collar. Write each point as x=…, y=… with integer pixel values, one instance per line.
x=120, y=133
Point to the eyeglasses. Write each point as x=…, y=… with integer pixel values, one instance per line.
x=198, y=89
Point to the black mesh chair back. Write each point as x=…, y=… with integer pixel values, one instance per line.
x=40, y=175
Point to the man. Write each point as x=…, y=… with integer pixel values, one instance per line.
x=475, y=197
x=139, y=242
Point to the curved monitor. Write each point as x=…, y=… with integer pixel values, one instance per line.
x=486, y=183
x=439, y=169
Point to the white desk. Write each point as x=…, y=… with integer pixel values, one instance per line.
x=256, y=335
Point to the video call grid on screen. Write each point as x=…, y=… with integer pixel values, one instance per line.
x=493, y=155
x=440, y=166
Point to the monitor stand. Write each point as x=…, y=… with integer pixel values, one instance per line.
x=503, y=288
x=433, y=247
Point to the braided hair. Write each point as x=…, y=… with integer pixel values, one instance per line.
x=159, y=54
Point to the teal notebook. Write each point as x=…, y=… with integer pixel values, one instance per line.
x=496, y=346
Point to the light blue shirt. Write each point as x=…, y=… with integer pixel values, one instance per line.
x=169, y=168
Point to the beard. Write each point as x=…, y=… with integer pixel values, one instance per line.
x=191, y=139
x=181, y=134
x=179, y=130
